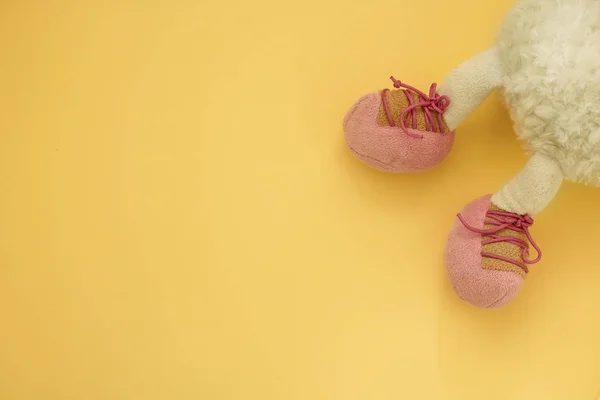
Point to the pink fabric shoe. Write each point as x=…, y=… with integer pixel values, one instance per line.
x=401, y=130
x=487, y=254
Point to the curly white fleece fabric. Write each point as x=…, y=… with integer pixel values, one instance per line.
x=550, y=53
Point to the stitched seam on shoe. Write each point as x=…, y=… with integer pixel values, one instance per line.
x=371, y=158
x=497, y=301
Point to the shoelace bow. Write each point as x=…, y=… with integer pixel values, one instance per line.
x=429, y=103
x=500, y=220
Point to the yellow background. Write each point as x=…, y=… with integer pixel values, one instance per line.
x=180, y=219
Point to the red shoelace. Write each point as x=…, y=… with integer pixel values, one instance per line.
x=429, y=103
x=500, y=220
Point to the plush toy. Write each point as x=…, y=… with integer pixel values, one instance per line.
x=547, y=63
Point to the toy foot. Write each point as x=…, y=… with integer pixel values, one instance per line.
x=399, y=131
x=487, y=254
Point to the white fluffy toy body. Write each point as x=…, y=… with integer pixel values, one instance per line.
x=547, y=63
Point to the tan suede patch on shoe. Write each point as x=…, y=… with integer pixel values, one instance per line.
x=397, y=102
x=503, y=249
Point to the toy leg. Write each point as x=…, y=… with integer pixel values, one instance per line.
x=488, y=249
x=407, y=130
x=470, y=84
x=532, y=189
